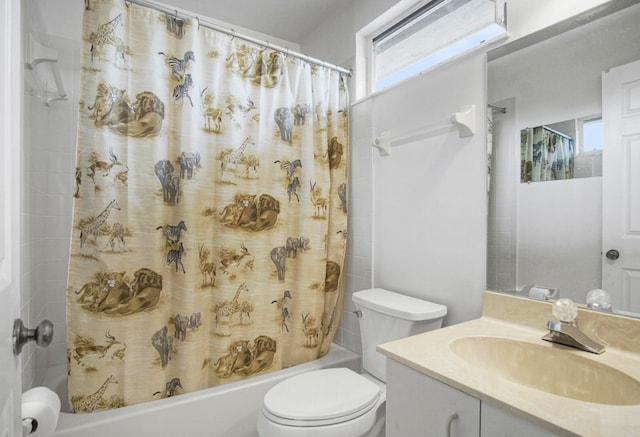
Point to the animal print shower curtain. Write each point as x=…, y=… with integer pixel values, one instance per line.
x=545, y=155
x=209, y=224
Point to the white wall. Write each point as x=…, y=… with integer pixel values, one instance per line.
x=429, y=195
x=528, y=16
x=559, y=235
x=558, y=223
x=418, y=215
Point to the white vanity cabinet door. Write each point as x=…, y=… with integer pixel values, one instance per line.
x=497, y=422
x=418, y=405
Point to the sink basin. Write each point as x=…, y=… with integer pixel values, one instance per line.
x=550, y=369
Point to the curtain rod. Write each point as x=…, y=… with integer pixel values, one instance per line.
x=556, y=132
x=204, y=23
x=498, y=108
x=553, y=131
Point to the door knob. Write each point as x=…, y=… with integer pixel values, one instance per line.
x=613, y=254
x=42, y=335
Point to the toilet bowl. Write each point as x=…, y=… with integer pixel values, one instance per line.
x=340, y=402
x=327, y=402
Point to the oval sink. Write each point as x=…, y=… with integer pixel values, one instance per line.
x=552, y=370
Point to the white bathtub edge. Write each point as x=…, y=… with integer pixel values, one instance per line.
x=230, y=409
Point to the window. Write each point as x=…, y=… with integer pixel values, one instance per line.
x=592, y=135
x=434, y=33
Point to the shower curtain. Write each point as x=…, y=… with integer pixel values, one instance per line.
x=545, y=155
x=210, y=214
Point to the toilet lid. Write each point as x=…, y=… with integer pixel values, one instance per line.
x=321, y=397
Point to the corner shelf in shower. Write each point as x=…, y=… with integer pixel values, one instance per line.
x=36, y=54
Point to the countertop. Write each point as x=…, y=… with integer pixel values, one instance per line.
x=430, y=354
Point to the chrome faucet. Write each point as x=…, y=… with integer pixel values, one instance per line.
x=568, y=334
x=566, y=331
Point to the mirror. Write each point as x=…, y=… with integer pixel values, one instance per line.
x=550, y=233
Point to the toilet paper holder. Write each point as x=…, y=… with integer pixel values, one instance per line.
x=42, y=335
x=40, y=412
x=29, y=425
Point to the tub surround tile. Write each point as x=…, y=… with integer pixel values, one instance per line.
x=525, y=320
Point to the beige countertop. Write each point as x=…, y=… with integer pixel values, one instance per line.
x=430, y=353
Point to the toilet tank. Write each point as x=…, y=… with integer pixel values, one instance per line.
x=386, y=316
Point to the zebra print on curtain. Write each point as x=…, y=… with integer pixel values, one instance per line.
x=210, y=216
x=545, y=155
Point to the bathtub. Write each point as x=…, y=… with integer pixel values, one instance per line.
x=230, y=410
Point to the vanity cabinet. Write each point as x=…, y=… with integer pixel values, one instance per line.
x=497, y=422
x=418, y=405
x=421, y=406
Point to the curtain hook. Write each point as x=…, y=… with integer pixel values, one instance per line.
x=286, y=53
x=198, y=21
x=127, y=3
x=176, y=15
x=233, y=35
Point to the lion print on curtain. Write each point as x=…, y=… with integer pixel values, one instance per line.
x=210, y=210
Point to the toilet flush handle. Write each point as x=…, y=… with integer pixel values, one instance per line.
x=358, y=313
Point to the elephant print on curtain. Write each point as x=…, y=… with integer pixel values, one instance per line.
x=209, y=243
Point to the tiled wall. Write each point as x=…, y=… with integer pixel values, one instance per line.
x=501, y=226
x=359, y=245
x=49, y=169
x=33, y=265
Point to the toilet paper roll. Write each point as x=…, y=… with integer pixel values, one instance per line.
x=539, y=293
x=40, y=412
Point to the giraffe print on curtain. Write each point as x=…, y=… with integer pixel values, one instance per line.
x=219, y=186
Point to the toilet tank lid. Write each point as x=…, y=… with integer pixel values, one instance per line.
x=398, y=305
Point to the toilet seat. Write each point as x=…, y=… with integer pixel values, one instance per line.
x=321, y=398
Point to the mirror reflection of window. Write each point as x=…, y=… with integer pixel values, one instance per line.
x=593, y=135
x=588, y=161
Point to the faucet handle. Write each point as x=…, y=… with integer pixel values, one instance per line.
x=598, y=299
x=565, y=310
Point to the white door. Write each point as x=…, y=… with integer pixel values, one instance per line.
x=621, y=186
x=10, y=176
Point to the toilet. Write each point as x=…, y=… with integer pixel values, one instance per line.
x=340, y=402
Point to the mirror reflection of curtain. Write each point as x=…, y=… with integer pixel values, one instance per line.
x=545, y=155
x=210, y=213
